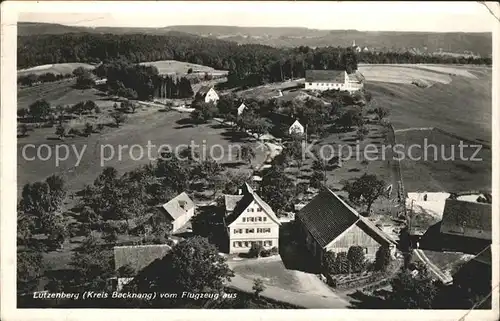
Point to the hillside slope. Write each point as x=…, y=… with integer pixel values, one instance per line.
x=480, y=43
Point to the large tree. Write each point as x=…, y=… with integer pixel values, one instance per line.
x=413, y=290
x=278, y=190
x=194, y=265
x=365, y=190
x=29, y=270
x=39, y=110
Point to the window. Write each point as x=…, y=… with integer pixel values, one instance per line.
x=260, y=242
x=250, y=230
x=246, y=244
x=310, y=84
x=251, y=219
x=235, y=244
x=265, y=219
x=240, y=244
x=268, y=243
x=259, y=219
x=244, y=219
x=259, y=209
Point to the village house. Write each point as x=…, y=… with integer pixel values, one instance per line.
x=249, y=219
x=241, y=109
x=466, y=223
x=296, y=128
x=334, y=80
x=130, y=260
x=327, y=224
x=178, y=210
x=207, y=94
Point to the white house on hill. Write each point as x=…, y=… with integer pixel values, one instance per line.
x=296, y=129
x=179, y=210
x=334, y=79
x=241, y=109
x=207, y=94
x=249, y=219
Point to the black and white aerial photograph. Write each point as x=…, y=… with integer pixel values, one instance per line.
x=254, y=155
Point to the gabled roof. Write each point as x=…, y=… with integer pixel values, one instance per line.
x=327, y=216
x=357, y=76
x=470, y=219
x=248, y=196
x=336, y=76
x=230, y=201
x=178, y=205
x=139, y=256
x=203, y=91
x=296, y=123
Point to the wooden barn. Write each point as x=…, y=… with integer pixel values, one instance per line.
x=328, y=224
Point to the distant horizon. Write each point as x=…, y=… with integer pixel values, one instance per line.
x=438, y=17
x=250, y=27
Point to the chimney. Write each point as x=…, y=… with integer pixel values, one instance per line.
x=182, y=204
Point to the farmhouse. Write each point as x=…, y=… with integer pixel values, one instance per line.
x=130, y=260
x=250, y=220
x=327, y=223
x=241, y=109
x=466, y=220
x=178, y=210
x=296, y=128
x=207, y=94
x=333, y=79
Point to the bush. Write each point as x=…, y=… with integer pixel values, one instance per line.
x=382, y=258
x=356, y=257
x=265, y=253
x=274, y=250
x=255, y=250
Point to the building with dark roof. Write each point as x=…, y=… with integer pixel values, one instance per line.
x=334, y=80
x=468, y=219
x=249, y=219
x=329, y=224
x=134, y=259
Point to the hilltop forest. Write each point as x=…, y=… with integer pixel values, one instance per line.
x=247, y=64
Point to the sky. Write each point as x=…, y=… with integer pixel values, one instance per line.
x=365, y=16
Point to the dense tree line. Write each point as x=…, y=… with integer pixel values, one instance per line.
x=245, y=63
x=249, y=63
x=32, y=79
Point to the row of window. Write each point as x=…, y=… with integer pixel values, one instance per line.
x=254, y=219
x=326, y=84
x=249, y=243
x=252, y=230
x=251, y=209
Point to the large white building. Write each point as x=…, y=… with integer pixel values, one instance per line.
x=334, y=80
x=249, y=219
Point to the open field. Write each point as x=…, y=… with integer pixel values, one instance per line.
x=179, y=67
x=172, y=128
x=60, y=93
x=438, y=174
x=406, y=73
x=462, y=107
x=64, y=68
